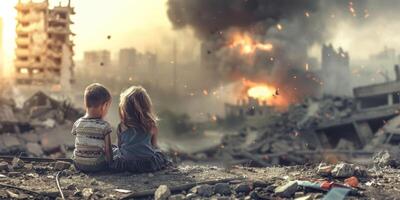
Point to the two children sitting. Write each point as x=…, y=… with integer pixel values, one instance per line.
x=137, y=149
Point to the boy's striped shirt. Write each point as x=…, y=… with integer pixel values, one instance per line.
x=89, y=141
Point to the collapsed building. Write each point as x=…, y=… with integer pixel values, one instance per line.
x=375, y=105
x=44, y=48
x=249, y=108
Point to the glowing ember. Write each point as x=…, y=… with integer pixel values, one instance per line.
x=248, y=45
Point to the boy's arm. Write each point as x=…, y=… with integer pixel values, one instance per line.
x=108, y=151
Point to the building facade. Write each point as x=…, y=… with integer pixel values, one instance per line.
x=127, y=58
x=44, y=48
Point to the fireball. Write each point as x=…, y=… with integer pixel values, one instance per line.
x=261, y=92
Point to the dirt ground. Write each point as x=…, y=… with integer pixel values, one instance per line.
x=39, y=178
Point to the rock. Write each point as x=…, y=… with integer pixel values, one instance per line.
x=191, y=196
x=324, y=169
x=177, y=197
x=298, y=194
x=61, y=165
x=34, y=148
x=28, y=166
x=286, y=190
x=162, y=193
x=243, y=188
x=385, y=159
x=260, y=183
x=87, y=192
x=260, y=195
x=17, y=163
x=343, y=170
x=222, y=189
x=308, y=197
x=3, y=165
x=360, y=171
x=203, y=190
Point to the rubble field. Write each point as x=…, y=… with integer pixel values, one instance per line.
x=38, y=180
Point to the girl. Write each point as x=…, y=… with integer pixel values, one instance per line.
x=137, y=149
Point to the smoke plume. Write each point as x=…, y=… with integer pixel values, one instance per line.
x=291, y=26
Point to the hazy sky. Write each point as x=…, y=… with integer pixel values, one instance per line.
x=143, y=24
x=131, y=23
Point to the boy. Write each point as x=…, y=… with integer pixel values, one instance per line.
x=92, y=143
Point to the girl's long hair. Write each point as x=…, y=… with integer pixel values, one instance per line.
x=135, y=109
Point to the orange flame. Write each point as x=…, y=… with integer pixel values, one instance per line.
x=248, y=45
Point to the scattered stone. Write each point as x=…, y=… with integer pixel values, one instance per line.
x=17, y=163
x=28, y=166
x=14, y=174
x=308, y=197
x=87, y=192
x=177, y=197
x=12, y=194
x=260, y=183
x=298, y=194
x=3, y=165
x=360, y=171
x=162, y=193
x=243, y=188
x=222, y=188
x=94, y=182
x=286, y=190
x=71, y=186
x=385, y=159
x=62, y=165
x=191, y=196
x=203, y=190
x=343, y=170
x=324, y=169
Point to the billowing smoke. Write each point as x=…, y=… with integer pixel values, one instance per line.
x=291, y=26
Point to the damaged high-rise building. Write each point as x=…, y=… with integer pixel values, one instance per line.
x=336, y=71
x=44, y=48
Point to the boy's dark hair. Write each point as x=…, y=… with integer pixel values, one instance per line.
x=96, y=95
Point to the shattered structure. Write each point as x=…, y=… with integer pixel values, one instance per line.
x=249, y=108
x=335, y=67
x=44, y=47
x=376, y=104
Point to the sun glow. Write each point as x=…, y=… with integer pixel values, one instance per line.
x=7, y=15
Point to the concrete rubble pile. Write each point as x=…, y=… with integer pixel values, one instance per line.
x=30, y=130
x=280, y=138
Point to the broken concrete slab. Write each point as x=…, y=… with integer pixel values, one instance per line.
x=286, y=190
x=343, y=170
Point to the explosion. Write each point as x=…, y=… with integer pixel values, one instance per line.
x=248, y=45
x=264, y=93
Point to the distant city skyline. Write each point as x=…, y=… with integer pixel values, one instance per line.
x=130, y=23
